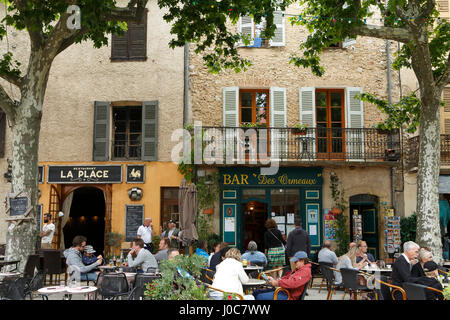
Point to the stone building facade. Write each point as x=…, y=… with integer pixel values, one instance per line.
x=130, y=86
x=370, y=182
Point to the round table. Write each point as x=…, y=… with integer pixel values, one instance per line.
x=382, y=270
x=46, y=291
x=250, y=269
x=252, y=284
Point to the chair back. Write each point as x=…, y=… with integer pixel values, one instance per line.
x=206, y=275
x=129, y=269
x=326, y=271
x=349, y=278
x=112, y=284
x=52, y=262
x=384, y=292
x=414, y=291
x=13, y=289
x=140, y=282
x=31, y=264
x=305, y=288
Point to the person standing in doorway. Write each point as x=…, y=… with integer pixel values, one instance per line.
x=274, y=245
x=145, y=233
x=297, y=240
x=47, y=232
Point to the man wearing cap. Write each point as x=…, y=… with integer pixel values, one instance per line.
x=172, y=233
x=144, y=232
x=48, y=230
x=431, y=279
x=295, y=282
x=88, y=255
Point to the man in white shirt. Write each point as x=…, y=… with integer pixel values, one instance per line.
x=47, y=232
x=145, y=233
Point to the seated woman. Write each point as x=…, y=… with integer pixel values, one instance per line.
x=431, y=279
x=229, y=276
x=254, y=256
x=294, y=282
x=348, y=261
x=417, y=269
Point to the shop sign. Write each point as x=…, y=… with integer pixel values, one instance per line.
x=84, y=174
x=285, y=177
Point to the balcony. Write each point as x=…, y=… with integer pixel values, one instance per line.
x=412, y=155
x=231, y=145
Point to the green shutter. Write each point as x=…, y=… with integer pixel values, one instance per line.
x=101, y=131
x=150, y=130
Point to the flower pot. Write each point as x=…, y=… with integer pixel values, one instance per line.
x=298, y=132
x=208, y=211
x=336, y=211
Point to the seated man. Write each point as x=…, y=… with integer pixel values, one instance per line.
x=137, y=257
x=294, y=282
x=363, y=255
x=254, y=256
x=326, y=254
x=75, y=261
x=401, y=269
x=431, y=279
x=163, y=249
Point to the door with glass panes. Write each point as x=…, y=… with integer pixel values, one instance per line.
x=284, y=206
x=330, y=123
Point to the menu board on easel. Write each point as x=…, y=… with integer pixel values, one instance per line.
x=392, y=233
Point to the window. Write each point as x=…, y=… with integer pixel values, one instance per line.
x=169, y=205
x=443, y=7
x=127, y=123
x=330, y=121
x=254, y=107
x=255, y=31
x=132, y=46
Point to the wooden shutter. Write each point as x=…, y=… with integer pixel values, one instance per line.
x=150, y=130
x=308, y=113
x=119, y=47
x=279, y=39
x=445, y=115
x=354, y=139
x=101, y=131
x=278, y=120
x=2, y=133
x=443, y=8
x=137, y=40
x=247, y=28
x=230, y=119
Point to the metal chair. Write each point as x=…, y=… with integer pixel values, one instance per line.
x=112, y=285
x=36, y=283
x=140, y=281
x=31, y=265
x=52, y=264
x=350, y=282
x=13, y=289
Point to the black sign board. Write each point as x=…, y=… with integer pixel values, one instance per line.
x=84, y=174
x=135, y=173
x=41, y=174
x=18, y=206
x=134, y=217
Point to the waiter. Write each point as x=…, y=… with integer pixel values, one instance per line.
x=145, y=233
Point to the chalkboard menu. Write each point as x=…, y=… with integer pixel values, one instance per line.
x=18, y=206
x=134, y=217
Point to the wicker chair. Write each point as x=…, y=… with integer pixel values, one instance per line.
x=415, y=291
x=229, y=293
x=385, y=292
x=350, y=282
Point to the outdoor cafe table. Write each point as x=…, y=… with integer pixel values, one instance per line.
x=69, y=291
x=252, y=284
x=6, y=275
x=250, y=269
x=10, y=262
x=381, y=270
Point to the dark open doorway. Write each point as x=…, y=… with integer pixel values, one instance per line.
x=87, y=218
x=255, y=214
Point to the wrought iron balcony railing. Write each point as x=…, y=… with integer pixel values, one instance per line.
x=412, y=155
x=229, y=145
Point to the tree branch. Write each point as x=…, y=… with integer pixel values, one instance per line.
x=35, y=36
x=15, y=80
x=7, y=104
x=380, y=32
x=445, y=78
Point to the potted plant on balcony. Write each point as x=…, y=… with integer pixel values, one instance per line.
x=248, y=125
x=299, y=129
x=340, y=205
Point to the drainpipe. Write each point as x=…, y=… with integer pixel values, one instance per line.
x=186, y=85
x=389, y=89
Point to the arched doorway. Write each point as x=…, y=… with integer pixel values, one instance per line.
x=86, y=217
x=367, y=206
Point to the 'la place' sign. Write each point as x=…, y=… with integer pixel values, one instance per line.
x=84, y=174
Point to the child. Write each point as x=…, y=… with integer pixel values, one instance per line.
x=88, y=256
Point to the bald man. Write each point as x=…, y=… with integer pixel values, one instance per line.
x=326, y=254
x=145, y=233
x=351, y=245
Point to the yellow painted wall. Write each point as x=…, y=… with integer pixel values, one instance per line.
x=157, y=175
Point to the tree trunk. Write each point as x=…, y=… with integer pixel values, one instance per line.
x=428, y=225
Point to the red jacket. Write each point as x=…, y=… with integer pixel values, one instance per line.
x=295, y=282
